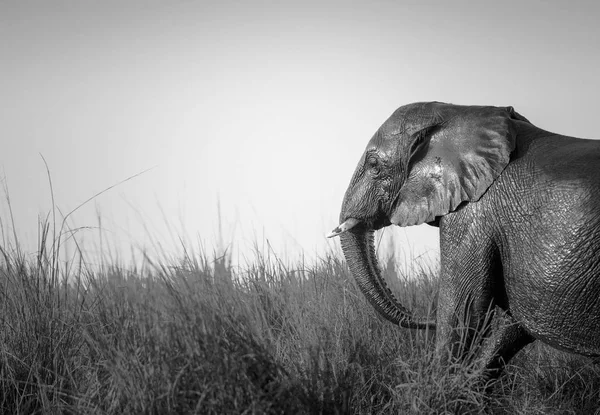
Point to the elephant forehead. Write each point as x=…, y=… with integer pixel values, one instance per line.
x=382, y=141
x=410, y=118
x=399, y=126
x=422, y=114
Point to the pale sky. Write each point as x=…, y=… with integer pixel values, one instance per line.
x=266, y=106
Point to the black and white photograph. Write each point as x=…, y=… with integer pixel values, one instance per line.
x=299, y=207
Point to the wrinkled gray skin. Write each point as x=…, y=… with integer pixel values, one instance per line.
x=518, y=210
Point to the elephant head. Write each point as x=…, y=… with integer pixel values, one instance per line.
x=423, y=162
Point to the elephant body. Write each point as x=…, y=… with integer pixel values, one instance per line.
x=518, y=210
x=540, y=250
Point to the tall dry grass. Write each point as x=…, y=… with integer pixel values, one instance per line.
x=197, y=335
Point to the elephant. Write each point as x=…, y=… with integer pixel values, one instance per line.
x=518, y=212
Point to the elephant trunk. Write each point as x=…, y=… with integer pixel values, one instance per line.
x=359, y=249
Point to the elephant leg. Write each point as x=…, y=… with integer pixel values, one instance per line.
x=472, y=296
x=486, y=340
x=505, y=339
x=461, y=326
x=466, y=296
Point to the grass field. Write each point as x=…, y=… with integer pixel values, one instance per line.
x=197, y=335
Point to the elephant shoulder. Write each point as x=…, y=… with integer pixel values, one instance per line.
x=563, y=160
x=554, y=166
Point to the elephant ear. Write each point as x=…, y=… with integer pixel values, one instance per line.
x=455, y=159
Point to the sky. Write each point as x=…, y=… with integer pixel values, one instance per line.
x=251, y=115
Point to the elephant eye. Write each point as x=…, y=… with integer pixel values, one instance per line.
x=373, y=165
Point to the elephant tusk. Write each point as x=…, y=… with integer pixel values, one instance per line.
x=347, y=225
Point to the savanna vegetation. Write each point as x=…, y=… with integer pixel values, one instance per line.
x=198, y=335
